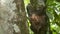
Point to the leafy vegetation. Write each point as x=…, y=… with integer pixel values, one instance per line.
x=53, y=10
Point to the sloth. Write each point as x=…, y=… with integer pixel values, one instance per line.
x=38, y=19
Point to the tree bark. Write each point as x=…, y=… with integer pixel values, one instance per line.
x=6, y=14
x=21, y=16
x=13, y=17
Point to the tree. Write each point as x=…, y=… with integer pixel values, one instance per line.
x=6, y=14
x=21, y=17
x=13, y=17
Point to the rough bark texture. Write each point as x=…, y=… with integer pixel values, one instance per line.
x=37, y=16
x=13, y=17
x=6, y=14
x=21, y=18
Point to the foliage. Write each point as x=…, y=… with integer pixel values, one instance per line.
x=53, y=12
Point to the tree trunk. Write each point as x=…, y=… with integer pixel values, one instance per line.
x=21, y=16
x=13, y=17
x=6, y=14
